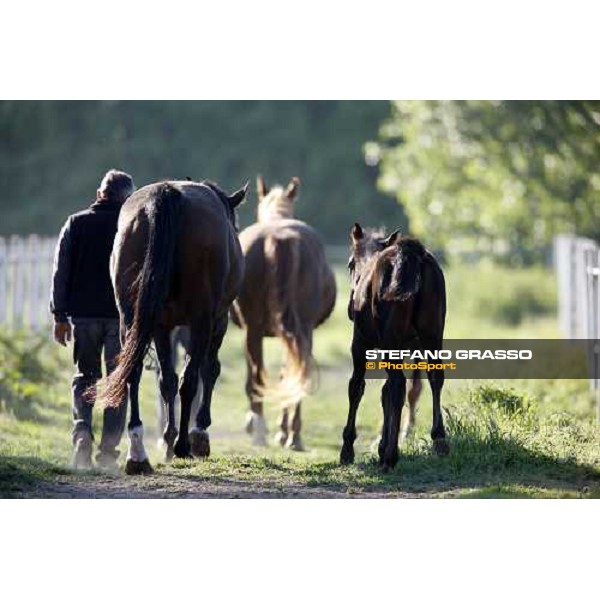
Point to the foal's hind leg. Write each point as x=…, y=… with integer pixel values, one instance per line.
x=392, y=399
x=167, y=384
x=356, y=389
x=255, y=423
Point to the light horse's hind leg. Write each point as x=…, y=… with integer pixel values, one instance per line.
x=200, y=334
x=167, y=384
x=414, y=392
x=255, y=423
x=200, y=441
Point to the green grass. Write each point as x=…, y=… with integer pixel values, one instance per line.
x=508, y=439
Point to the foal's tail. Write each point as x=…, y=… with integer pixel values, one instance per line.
x=400, y=277
x=283, y=261
x=163, y=210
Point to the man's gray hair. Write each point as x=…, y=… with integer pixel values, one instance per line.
x=116, y=185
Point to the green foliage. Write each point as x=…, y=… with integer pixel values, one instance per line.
x=502, y=295
x=53, y=154
x=503, y=399
x=493, y=177
x=28, y=365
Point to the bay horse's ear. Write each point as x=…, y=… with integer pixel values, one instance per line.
x=391, y=239
x=238, y=197
x=261, y=187
x=188, y=178
x=357, y=233
x=292, y=189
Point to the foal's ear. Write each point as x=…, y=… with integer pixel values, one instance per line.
x=391, y=239
x=238, y=197
x=261, y=187
x=292, y=189
x=357, y=233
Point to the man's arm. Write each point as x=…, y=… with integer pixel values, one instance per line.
x=61, y=276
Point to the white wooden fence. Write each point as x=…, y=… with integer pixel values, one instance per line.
x=577, y=264
x=25, y=273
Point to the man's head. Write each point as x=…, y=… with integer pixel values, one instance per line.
x=115, y=186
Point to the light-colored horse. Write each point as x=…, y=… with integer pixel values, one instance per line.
x=288, y=291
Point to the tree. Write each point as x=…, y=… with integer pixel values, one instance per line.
x=501, y=177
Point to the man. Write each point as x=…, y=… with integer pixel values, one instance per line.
x=82, y=292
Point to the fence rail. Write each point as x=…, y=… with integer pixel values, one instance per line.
x=577, y=264
x=25, y=272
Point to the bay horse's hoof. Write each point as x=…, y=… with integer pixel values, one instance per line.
x=281, y=438
x=134, y=467
x=182, y=449
x=200, y=443
x=441, y=447
x=347, y=455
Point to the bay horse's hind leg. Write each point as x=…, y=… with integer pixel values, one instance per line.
x=137, y=458
x=199, y=435
x=256, y=425
x=200, y=334
x=167, y=385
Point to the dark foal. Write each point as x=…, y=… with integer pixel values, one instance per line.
x=176, y=261
x=398, y=301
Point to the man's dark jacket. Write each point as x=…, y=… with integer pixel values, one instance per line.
x=81, y=285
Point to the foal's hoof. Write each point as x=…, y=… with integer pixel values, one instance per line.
x=134, y=467
x=346, y=455
x=441, y=447
x=281, y=438
x=200, y=443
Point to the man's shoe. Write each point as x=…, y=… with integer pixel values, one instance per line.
x=82, y=452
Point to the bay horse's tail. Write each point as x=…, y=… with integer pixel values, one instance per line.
x=163, y=211
x=283, y=268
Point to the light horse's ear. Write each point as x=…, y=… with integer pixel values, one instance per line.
x=357, y=233
x=291, y=191
x=238, y=197
x=391, y=239
x=261, y=187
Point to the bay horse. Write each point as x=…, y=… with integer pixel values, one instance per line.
x=397, y=302
x=176, y=260
x=287, y=292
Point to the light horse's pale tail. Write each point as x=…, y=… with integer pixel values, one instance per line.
x=283, y=259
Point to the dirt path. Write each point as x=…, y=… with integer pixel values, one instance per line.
x=172, y=486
